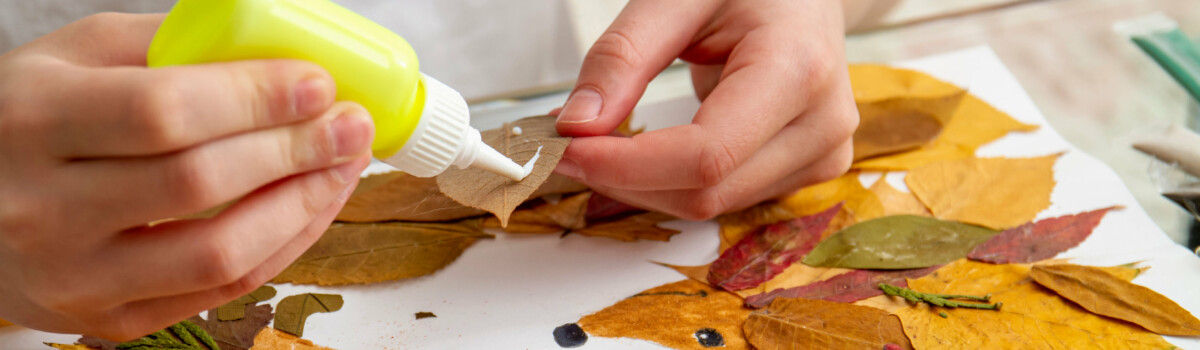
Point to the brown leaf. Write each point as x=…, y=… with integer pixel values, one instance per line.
x=1039, y=240
x=545, y=217
x=273, y=339
x=632, y=228
x=818, y=324
x=4, y=323
x=1032, y=316
x=294, y=310
x=766, y=252
x=671, y=315
x=696, y=273
x=400, y=196
x=239, y=334
x=235, y=310
x=600, y=207
x=974, y=124
x=902, y=123
x=495, y=193
x=1103, y=293
x=368, y=253
x=998, y=193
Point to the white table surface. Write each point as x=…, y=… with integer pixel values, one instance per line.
x=511, y=292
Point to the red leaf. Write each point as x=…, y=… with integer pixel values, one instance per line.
x=766, y=252
x=1038, y=240
x=844, y=288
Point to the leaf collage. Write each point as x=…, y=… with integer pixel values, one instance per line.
x=951, y=257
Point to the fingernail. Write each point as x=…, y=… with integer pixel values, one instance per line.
x=583, y=107
x=568, y=168
x=311, y=97
x=352, y=132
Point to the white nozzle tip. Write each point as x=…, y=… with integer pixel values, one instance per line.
x=489, y=159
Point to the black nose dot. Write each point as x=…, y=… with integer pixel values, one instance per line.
x=570, y=336
x=709, y=337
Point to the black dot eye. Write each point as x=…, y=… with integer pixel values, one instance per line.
x=570, y=336
x=709, y=337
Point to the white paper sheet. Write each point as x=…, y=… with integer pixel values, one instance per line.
x=511, y=292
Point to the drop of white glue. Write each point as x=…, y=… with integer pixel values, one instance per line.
x=516, y=130
x=532, y=161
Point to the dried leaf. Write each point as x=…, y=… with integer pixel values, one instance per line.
x=860, y=204
x=875, y=82
x=735, y=226
x=294, y=310
x=273, y=339
x=793, y=276
x=70, y=346
x=495, y=193
x=235, y=310
x=902, y=123
x=400, y=196
x=424, y=314
x=974, y=124
x=546, y=217
x=817, y=324
x=1100, y=292
x=1032, y=316
x=1039, y=240
x=898, y=242
x=239, y=334
x=672, y=315
x=896, y=202
x=994, y=192
x=845, y=288
x=767, y=252
x=695, y=273
x=368, y=253
x=632, y=228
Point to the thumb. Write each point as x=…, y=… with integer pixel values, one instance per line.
x=639, y=44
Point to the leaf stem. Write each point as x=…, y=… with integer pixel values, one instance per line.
x=942, y=300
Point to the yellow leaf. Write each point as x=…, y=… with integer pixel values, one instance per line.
x=671, y=315
x=1101, y=292
x=736, y=225
x=1032, y=317
x=817, y=324
x=272, y=339
x=902, y=122
x=974, y=124
x=4, y=323
x=998, y=193
x=874, y=82
x=69, y=346
x=896, y=202
x=368, y=253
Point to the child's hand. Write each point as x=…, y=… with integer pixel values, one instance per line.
x=777, y=110
x=94, y=146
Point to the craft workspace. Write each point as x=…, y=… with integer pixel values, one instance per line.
x=625, y=174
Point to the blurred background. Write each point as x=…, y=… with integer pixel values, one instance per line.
x=1095, y=87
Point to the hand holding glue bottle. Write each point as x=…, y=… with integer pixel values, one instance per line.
x=421, y=124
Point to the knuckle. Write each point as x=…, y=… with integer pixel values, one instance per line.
x=704, y=206
x=103, y=22
x=616, y=45
x=192, y=181
x=716, y=163
x=158, y=109
x=216, y=264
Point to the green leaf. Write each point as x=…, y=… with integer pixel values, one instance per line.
x=898, y=242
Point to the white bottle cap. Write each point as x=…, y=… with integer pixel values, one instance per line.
x=444, y=136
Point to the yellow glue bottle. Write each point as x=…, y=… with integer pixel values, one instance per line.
x=421, y=125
